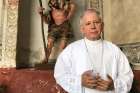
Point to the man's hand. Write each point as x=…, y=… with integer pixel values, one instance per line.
x=89, y=79
x=105, y=85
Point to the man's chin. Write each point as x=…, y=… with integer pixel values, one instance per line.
x=95, y=38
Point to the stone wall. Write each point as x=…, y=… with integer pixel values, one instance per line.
x=121, y=27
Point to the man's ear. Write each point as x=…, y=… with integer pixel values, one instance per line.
x=82, y=29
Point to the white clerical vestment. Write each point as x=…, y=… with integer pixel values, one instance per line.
x=100, y=56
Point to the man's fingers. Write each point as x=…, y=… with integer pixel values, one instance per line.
x=109, y=77
x=93, y=86
x=102, y=88
x=88, y=80
x=105, y=84
x=101, y=81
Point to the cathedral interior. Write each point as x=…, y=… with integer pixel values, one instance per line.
x=22, y=50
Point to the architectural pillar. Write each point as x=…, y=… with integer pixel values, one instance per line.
x=9, y=33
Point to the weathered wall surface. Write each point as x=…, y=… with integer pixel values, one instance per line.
x=122, y=22
x=122, y=25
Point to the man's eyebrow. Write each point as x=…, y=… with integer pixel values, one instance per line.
x=93, y=21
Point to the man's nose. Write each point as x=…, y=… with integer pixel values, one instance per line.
x=93, y=25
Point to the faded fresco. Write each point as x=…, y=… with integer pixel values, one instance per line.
x=1, y=26
x=132, y=52
x=121, y=27
x=8, y=22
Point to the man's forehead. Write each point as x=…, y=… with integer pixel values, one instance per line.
x=91, y=16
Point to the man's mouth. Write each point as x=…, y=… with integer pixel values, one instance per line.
x=93, y=31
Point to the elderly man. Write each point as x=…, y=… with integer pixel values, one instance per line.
x=93, y=65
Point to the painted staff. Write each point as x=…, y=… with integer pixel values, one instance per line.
x=42, y=29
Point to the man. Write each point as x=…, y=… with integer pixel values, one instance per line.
x=93, y=65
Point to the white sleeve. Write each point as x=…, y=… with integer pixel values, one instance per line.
x=124, y=79
x=64, y=75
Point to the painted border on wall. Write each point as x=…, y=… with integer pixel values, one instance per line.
x=9, y=39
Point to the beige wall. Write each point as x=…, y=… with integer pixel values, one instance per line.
x=122, y=22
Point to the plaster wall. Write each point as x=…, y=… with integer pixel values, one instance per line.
x=122, y=22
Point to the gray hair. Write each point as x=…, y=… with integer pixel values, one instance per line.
x=89, y=11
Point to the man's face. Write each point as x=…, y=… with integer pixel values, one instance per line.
x=92, y=26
